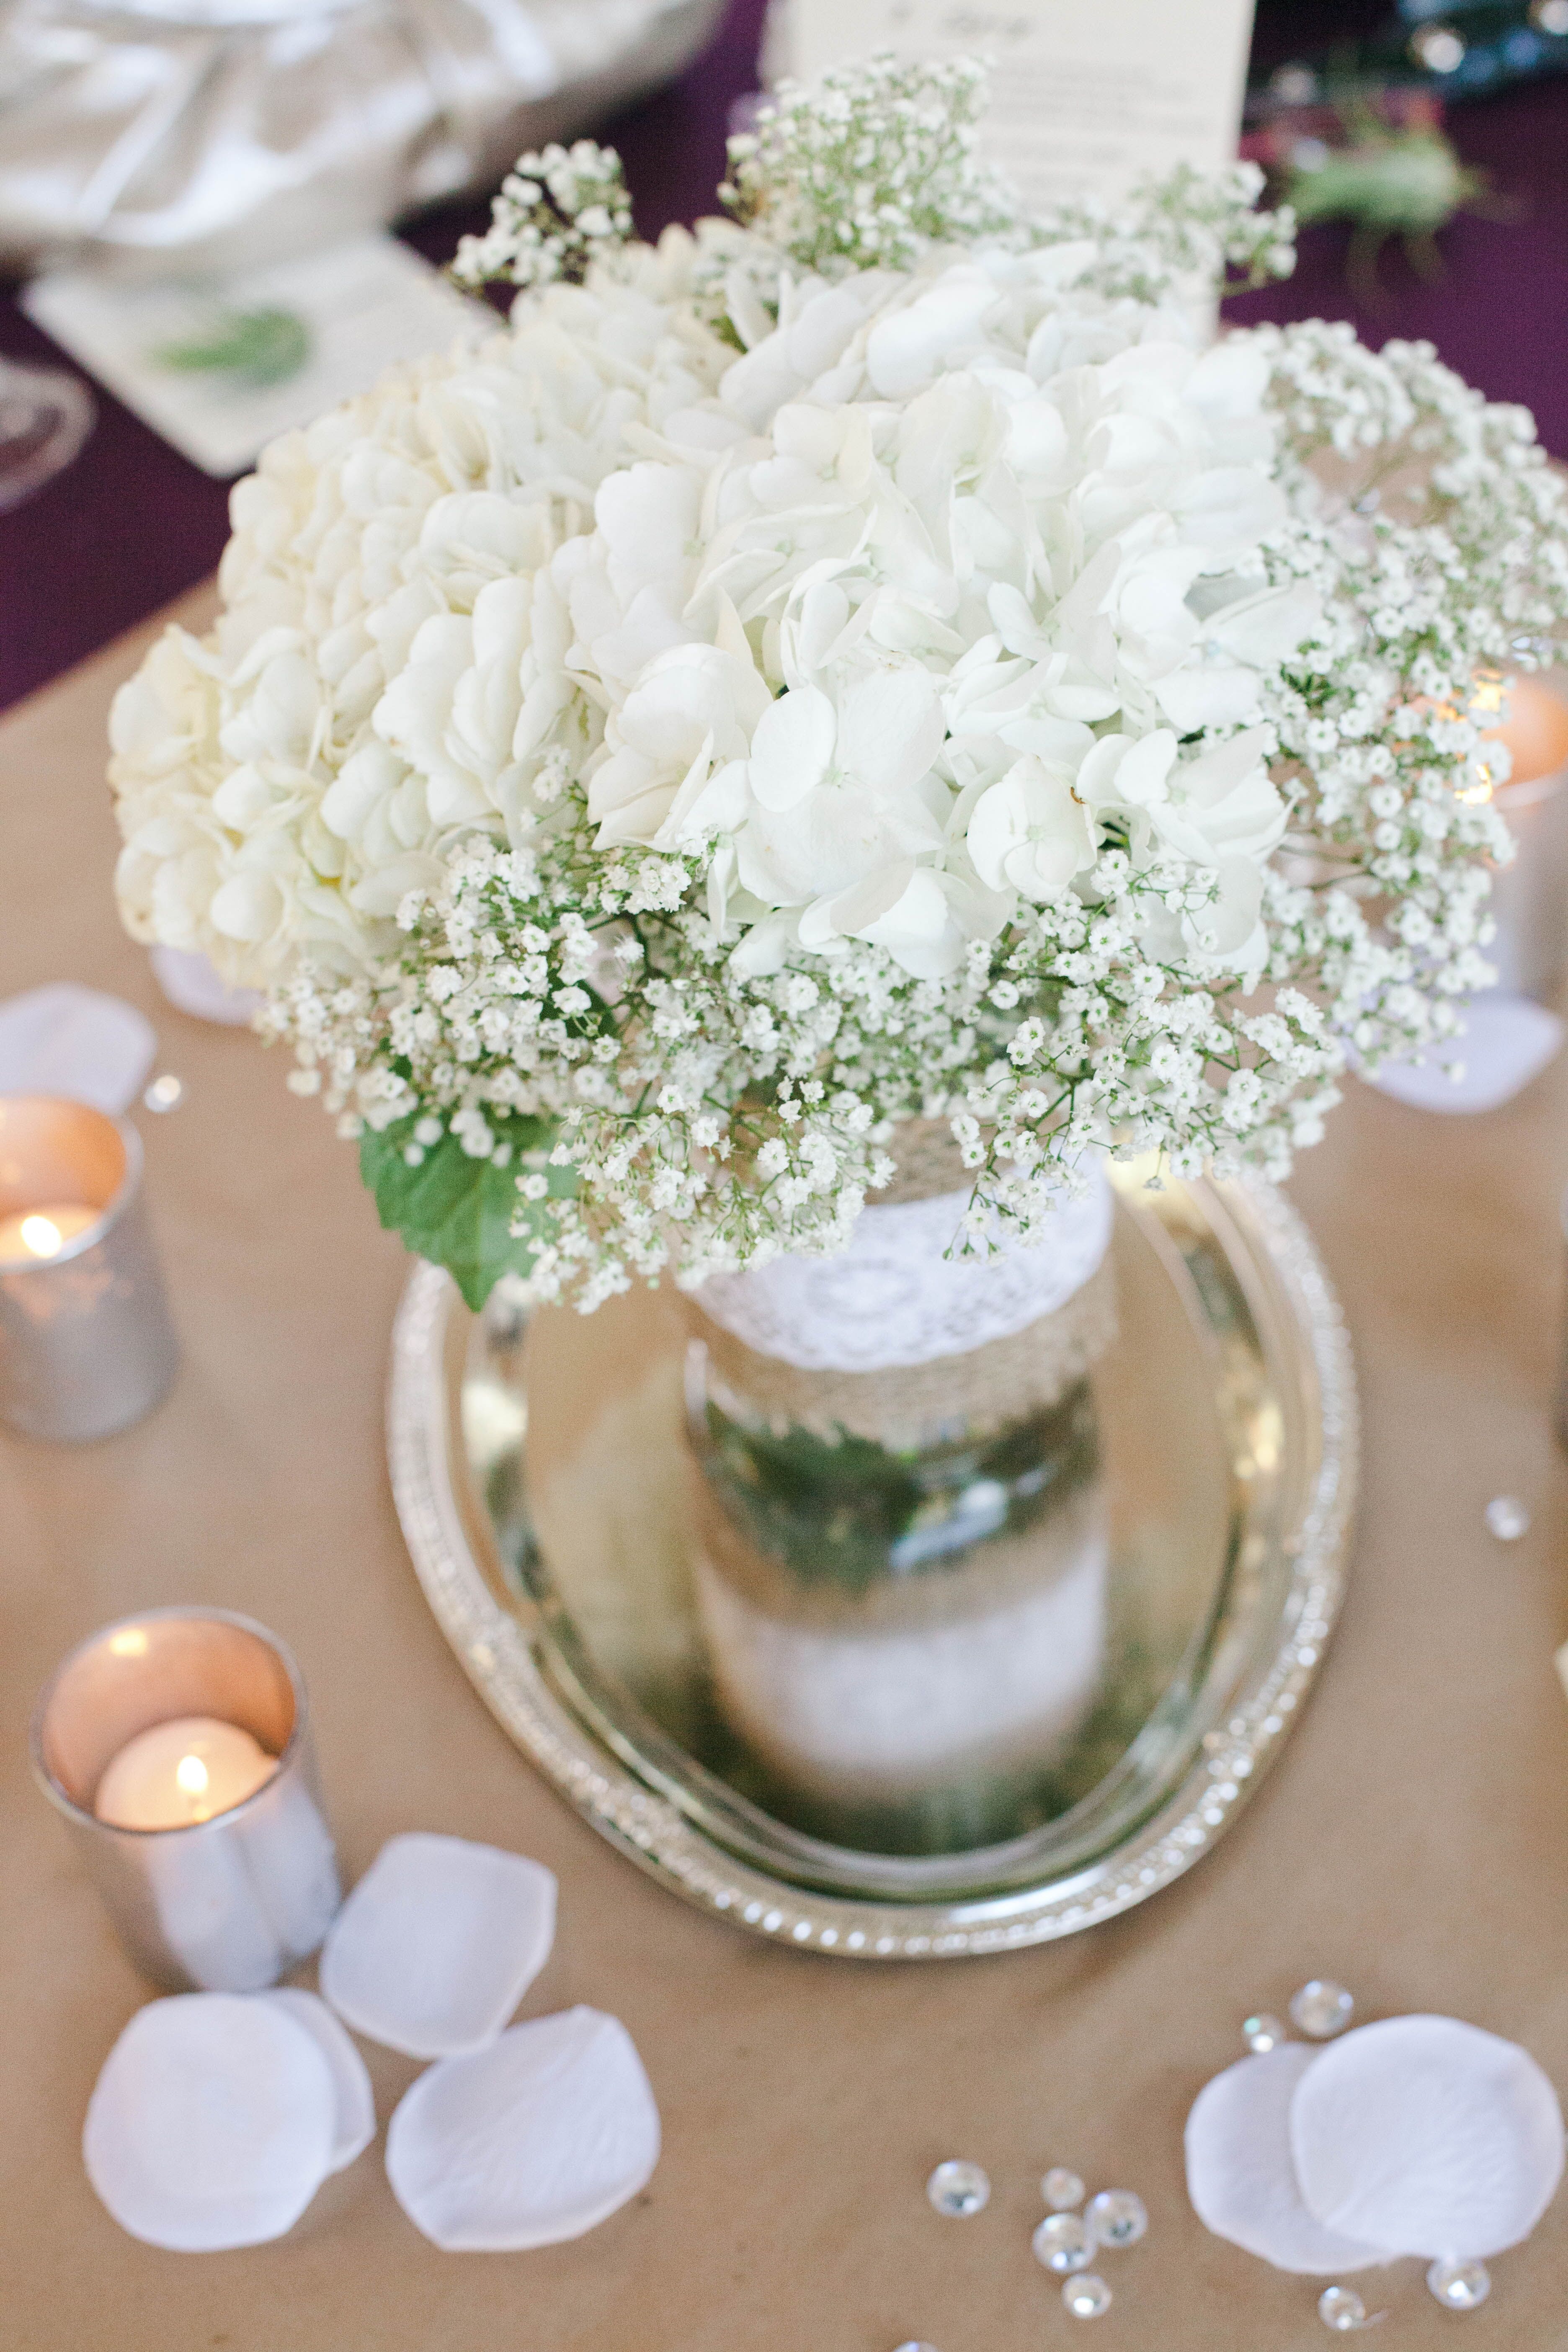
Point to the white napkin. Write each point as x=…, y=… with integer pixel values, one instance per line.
x=1508, y=1041
x=193, y=986
x=64, y=1039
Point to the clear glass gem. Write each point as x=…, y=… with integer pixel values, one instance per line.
x=1460, y=2287
x=1087, y=2297
x=1508, y=1518
x=958, y=2189
x=1340, y=2308
x=166, y=1093
x=1064, y=2243
x=1062, y=2189
x=1262, y=2033
x=1321, y=2008
x=1117, y=2217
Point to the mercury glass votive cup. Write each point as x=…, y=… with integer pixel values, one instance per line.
x=230, y=1903
x=1560, y=1413
x=1530, y=897
x=86, y=1344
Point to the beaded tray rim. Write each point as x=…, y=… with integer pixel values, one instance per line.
x=495, y=1650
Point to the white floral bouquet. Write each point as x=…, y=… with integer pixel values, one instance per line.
x=864, y=661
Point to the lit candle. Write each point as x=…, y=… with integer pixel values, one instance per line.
x=27, y=1234
x=86, y=1346
x=192, y=1724
x=1535, y=730
x=1530, y=897
x=181, y=1772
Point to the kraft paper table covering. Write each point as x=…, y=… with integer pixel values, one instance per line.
x=1413, y=1840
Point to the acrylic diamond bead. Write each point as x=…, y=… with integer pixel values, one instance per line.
x=1262, y=2033
x=1460, y=2287
x=1117, y=2218
x=1321, y=2008
x=1063, y=2243
x=958, y=2189
x=1087, y=2297
x=1340, y=2308
x=1061, y=2190
x=1508, y=1518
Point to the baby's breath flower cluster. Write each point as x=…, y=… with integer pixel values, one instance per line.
x=863, y=665
x=556, y=215
x=1189, y=230
x=868, y=167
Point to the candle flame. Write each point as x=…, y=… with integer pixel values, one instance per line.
x=42, y=1236
x=191, y=1776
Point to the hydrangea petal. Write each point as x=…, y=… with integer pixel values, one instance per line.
x=536, y=2139
x=792, y=747
x=437, y=1944
x=212, y=2124
x=354, y=2107
x=1427, y=2136
x=1240, y=2176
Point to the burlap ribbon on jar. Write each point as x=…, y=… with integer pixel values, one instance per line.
x=963, y=1393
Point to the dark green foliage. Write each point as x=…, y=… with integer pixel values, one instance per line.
x=456, y=1211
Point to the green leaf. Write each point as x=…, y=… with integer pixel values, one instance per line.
x=456, y=1211
x=256, y=347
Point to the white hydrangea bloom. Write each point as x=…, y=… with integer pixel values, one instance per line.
x=390, y=672
x=856, y=667
x=969, y=545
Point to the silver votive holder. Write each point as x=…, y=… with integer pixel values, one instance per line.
x=1559, y=1409
x=86, y=1343
x=1530, y=898
x=225, y=1904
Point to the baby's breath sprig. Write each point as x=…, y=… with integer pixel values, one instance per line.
x=870, y=167
x=1183, y=230
x=551, y=908
x=557, y=212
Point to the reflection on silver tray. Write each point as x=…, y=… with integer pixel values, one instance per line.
x=542, y=1480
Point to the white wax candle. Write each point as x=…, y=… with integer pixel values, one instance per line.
x=32, y=1236
x=181, y=1772
x=1536, y=728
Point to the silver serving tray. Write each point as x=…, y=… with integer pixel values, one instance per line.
x=536, y=1464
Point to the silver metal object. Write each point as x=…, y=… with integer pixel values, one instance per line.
x=1530, y=898
x=1560, y=1413
x=45, y=417
x=86, y=1343
x=227, y=1905
x=185, y=136
x=539, y=1474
